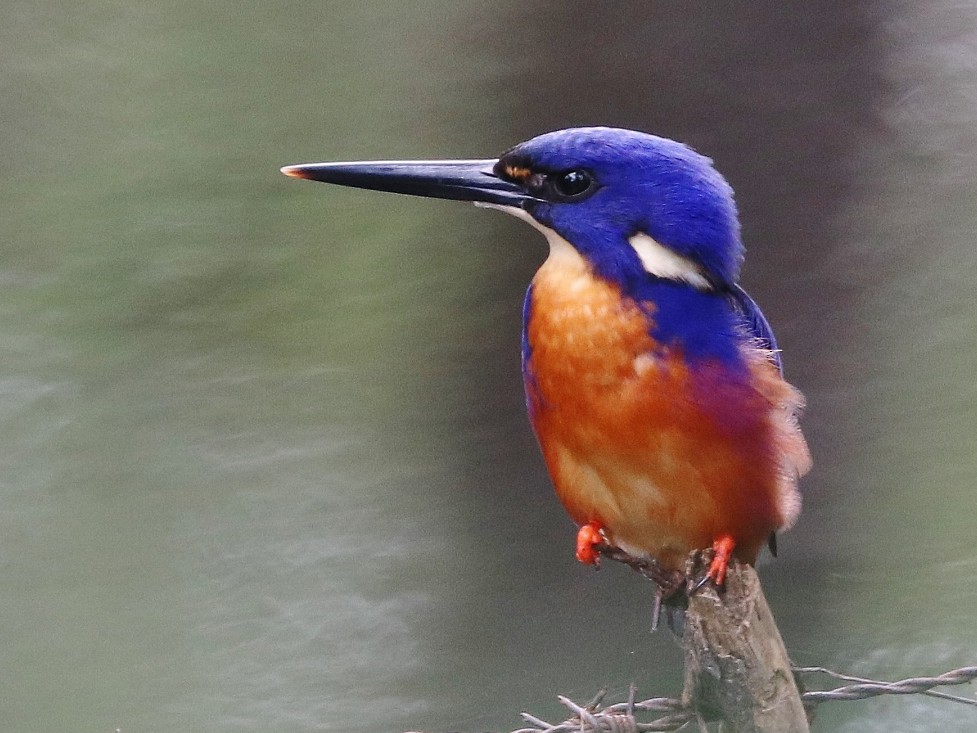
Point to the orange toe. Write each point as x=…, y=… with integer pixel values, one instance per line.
x=588, y=536
x=722, y=553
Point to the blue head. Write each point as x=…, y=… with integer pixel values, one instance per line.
x=598, y=187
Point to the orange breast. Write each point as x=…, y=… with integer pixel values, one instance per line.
x=636, y=440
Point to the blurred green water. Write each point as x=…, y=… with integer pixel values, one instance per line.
x=264, y=460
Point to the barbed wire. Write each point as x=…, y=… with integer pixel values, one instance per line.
x=872, y=688
x=623, y=717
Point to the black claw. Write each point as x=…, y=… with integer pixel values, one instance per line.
x=700, y=583
x=702, y=558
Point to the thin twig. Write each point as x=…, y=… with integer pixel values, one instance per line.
x=669, y=581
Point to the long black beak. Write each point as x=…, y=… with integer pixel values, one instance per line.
x=461, y=180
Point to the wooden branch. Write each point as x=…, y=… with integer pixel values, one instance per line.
x=736, y=666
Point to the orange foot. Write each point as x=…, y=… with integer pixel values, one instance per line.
x=722, y=549
x=588, y=536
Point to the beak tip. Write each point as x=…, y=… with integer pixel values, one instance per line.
x=293, y=171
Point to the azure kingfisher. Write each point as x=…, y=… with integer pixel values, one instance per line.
x=653, y=381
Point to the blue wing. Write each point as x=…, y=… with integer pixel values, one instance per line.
x=755, y=322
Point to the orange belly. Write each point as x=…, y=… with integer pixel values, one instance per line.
x=666, y=458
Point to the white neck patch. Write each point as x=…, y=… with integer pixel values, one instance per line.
x=558, y=245
x=662, y=262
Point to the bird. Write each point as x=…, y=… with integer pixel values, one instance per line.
x=653, y=381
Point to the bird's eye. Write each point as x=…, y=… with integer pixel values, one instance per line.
x=571, y=185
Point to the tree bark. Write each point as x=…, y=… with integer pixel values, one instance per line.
x=736, y=666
